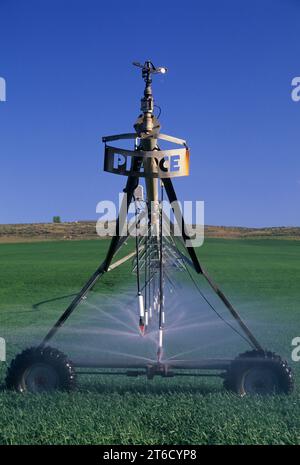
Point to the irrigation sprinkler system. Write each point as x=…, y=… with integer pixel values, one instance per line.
x=156, y=256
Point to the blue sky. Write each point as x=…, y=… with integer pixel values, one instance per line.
x=67, y=64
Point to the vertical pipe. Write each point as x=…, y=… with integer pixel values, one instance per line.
x=145, y=285
x=161, y=299
x=150, y=275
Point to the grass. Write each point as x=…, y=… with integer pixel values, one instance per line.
x=261, y=276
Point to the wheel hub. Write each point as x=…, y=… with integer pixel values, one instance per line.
x=40, y=377
x=260, y=381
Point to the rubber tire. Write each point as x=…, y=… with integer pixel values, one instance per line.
x=48, y=356
x=235, y=375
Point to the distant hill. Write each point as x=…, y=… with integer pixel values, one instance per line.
x=86, y=230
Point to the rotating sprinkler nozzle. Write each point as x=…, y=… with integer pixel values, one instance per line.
x=159, y=354
x=142, y=313
x=146, y=317
x=142, y=326
x=160, y=345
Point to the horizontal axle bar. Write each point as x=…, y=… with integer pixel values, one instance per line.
x=169, y=374
x=204, y=364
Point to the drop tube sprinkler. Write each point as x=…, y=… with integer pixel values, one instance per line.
x=161, y=282
x=146, y=321
x=141, y=306
x=150, y=287
x=142, y=313
x=150, y=277
x=160, y=345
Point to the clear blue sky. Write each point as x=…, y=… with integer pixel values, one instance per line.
x=69, y=77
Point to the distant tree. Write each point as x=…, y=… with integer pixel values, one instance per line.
x=56, y=219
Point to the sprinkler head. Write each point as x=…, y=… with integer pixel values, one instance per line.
x=159, y=354
x=161, y=70
x=148, y=68
x=142, y=326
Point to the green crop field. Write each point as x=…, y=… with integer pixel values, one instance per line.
x=260, y=276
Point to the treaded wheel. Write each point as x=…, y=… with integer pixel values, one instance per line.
x=261, y=373
x=41, y=370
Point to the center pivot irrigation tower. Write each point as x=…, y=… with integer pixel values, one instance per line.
x=44, y=368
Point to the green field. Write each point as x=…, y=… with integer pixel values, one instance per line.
x=260, y=276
